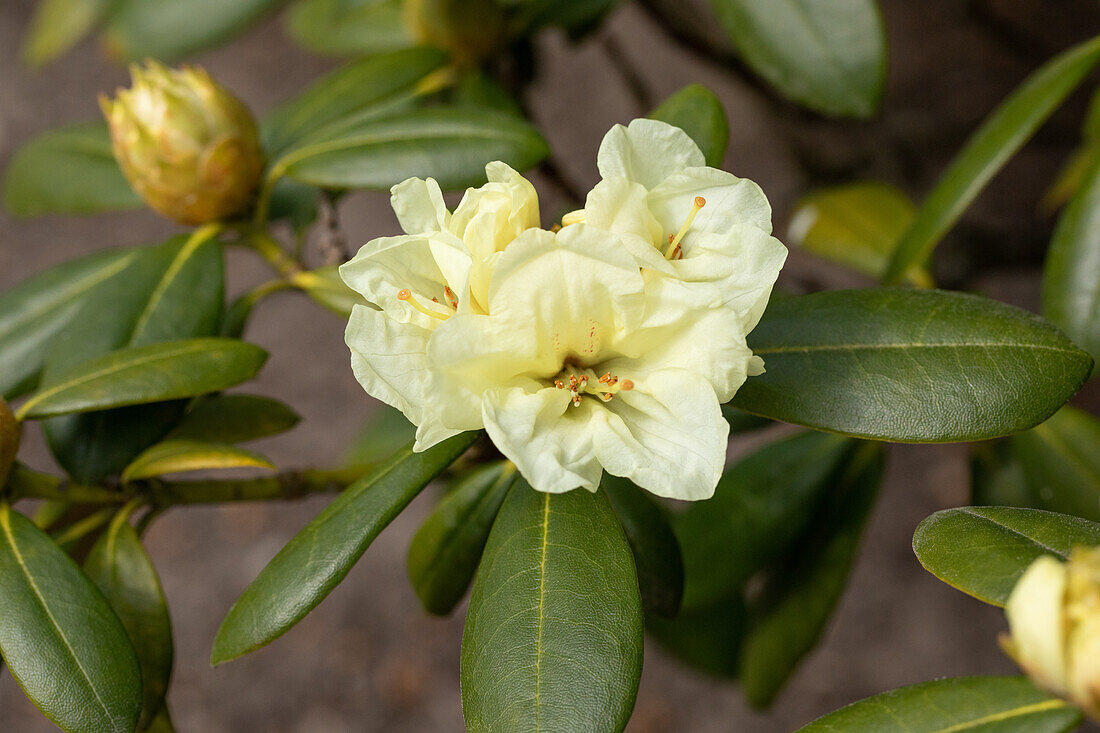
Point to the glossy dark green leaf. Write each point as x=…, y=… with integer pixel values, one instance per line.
x=476, y=89
x=320, y=556
x=445, y=551
x=977, y=704
x=60, y=639
x=828, y=55
x=1080, y=163
x=857, y=225
x=451, y=145
x=58, y=25
x=910, y=366
x=234, y=418
x=377, y=81
x=169, y=30
x=983, y=551
x=296, y=203
x=801, y=592
x=762, y=504
x=119, y=565
x=657, y=556
x=706, y=637
x=348, y=27
x=554, y=628
x=1061, y=462
x=997, y=478
x=33, y=312
x=140, y=374
x=741, y=421
x=326, y=289
x=697, y=111
x=1071, y=286
x=92, y=181
x=181, y=456
x=171, y=291
x=383, y=434
x=988, y=149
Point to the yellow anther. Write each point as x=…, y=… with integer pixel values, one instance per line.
x=674, y=243
x=407, y=296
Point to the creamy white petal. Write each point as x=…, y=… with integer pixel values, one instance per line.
x=647, y=152
x=1037, y=620
x=619, y=205
x=667, y=435
x=419, y=206
x=549, y=440
x=730, y=201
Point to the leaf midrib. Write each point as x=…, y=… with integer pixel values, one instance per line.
x=1022, y=711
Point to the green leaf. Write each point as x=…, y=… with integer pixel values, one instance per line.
x=384, y=433
x=476, y=89
x=828, y=55
x=451, y=145
x=656, y=551
x=760, y=507
x=1071, y=288
x=800, y=594
x=1060, y=461
x=181, y=456
x=972, y=704
x=983, y=551
x=910, y=366
x=141, y=374
x=743, y=422
x=328, y=290
x=363, y=85
x=169, y=30
x=348, y=27
x=36, y=310
x=988, y=149
x=60, y=639
x=10, y=435
x=119, y=565
x=162, y=723
x=234, y=418
x=554, y=628
x=697, y=111
x=58, y=25
x=91, y=181
x=171, y=291
x=707, y=637
x=446, y=549
x=320, y=556
x=997, y=478
x=857, y=225
x=1081, y=161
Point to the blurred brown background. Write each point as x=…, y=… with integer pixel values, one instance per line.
x=369, y=659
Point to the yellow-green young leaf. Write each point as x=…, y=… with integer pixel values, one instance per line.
x=58, y=25
x=554, y=628
x=181, y=456
x=1061, y=463
x=988, y=149
x=123, y=571
x=60, y=639
x=919, y=366
x=828, y=55
x=326, y=289
x=1081, y=161
x=320, y=556
x=451, y=145
x=1071, y=276
x=971, y=704
x=164, y=371
x=170, y=291
x=348, y=27
x=37, y=309
x=697, y=111
x=800, y=593
x=170, y=29
x=10, y=433
x=444, y=552
x=983, y=551
x=857, y=225
x=350, y=92
x=234, y=418
x=91, y=181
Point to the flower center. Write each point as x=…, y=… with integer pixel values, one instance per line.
x=579, y=384
x=452, y=303
x=674, y=251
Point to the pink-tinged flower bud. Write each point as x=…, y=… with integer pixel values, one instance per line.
x=188, y=147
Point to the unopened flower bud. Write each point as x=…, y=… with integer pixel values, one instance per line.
x=1054, y=619
x=188, y=147
x=469, y=29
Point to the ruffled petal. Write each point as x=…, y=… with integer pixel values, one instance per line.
x=647, y=152
x=419, y=206
x=731, y=201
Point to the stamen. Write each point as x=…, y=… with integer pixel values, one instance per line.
x=451, y=297
x=674, y=243
x=407, y=296
x=610, y=385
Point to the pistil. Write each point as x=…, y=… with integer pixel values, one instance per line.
x=674, y=241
